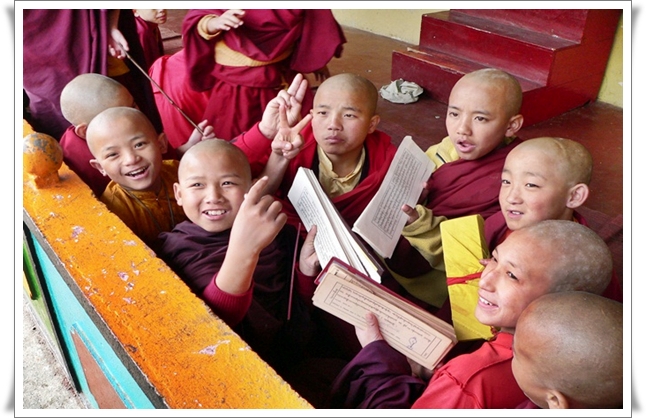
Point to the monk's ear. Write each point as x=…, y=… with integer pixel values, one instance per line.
x=94, y=163
x=178, y=193
x=556, y=400
x=374, y=121
x=515, y=123
x=81, y=130
x=163, y=142
x=577, y=196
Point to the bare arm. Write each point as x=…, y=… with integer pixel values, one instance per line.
x=117, y=43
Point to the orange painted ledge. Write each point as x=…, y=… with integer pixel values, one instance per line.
x=190, y=357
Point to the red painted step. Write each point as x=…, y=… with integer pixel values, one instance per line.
x=557, y=73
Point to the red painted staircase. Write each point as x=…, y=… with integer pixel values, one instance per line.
x=559, y=56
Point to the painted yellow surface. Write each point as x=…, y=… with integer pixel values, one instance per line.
x=612, y=87
x=191, y=357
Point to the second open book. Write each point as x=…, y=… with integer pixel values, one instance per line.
x=348, y=294
x=349, y=285
x=381, y=222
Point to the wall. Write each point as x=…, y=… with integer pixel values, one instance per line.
x=404, y=25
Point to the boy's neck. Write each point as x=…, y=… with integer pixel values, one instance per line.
x=344, y=164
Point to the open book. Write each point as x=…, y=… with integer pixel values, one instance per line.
x=333, y=235
x=382, y=221
x=348, y=294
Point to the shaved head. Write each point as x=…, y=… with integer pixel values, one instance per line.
x=509, y=85
x=572, y=343
x=355, y=83
x=211, y=147
x=573, y=160
x=89, y=94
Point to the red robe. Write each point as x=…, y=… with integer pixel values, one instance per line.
x=58, y=45
x=380, y=377
x=169, y=71
x=150, y=40
x=379, y=153
x=239, y=94
x=77, y=156
x=468, y=187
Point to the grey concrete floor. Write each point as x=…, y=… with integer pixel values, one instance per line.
x=45, y=384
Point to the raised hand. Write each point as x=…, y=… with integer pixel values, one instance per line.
x=258, y=221
x=291, y=99
x=231, y=19
x=288, y=141
x=196, y=136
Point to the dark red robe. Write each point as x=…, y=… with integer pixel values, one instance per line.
x=239, y=95
x=150, y=40
x=379, y=153
x=260, y=318
x=59, y=44
x=169, y=71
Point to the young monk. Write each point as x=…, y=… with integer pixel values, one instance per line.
x=561, y=363
x=482, y=121
x=544, y=178
x=84, y=97
x=234, y=252
x=339, y=141
x=128, y=150
x=548, y=257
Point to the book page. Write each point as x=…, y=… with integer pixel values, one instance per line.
x=382, y=221
x=349, y=297
x=315, y=208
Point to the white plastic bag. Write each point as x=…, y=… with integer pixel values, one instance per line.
x=400, y=91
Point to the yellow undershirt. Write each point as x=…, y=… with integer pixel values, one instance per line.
x=333, y=184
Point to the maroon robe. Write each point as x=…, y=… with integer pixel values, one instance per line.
x=60, y=44
x=169, y=71
x=468, y=187
x=150, y=40
x=239, y=95
x=196, y=257
x=379, y=153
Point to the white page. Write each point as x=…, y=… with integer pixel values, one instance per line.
x=381, y=223
x=313, y=206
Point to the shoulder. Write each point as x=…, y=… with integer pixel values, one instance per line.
x=492, y=355
x=380, y=142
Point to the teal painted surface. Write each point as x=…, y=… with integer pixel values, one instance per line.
x=73, y=318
